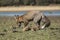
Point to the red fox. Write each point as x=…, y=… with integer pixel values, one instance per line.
x=35, y=16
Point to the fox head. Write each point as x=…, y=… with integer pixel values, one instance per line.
x=19, y=19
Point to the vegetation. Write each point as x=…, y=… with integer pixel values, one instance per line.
x=27, y=2
x=50, y=33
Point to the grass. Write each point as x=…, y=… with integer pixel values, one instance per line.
x=50, y=33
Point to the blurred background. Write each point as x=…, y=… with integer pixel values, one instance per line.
x=47, y=13
x=29, y=2
x=19, y=3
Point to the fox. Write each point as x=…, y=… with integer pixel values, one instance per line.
x=35, y=16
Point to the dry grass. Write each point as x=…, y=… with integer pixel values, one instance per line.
x=50, y=33
x=27, y=8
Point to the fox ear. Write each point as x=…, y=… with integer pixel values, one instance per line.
x=16, y=15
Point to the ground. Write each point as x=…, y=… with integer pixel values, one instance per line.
x=50, y=33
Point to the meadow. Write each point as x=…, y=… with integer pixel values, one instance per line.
x=50, y=33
